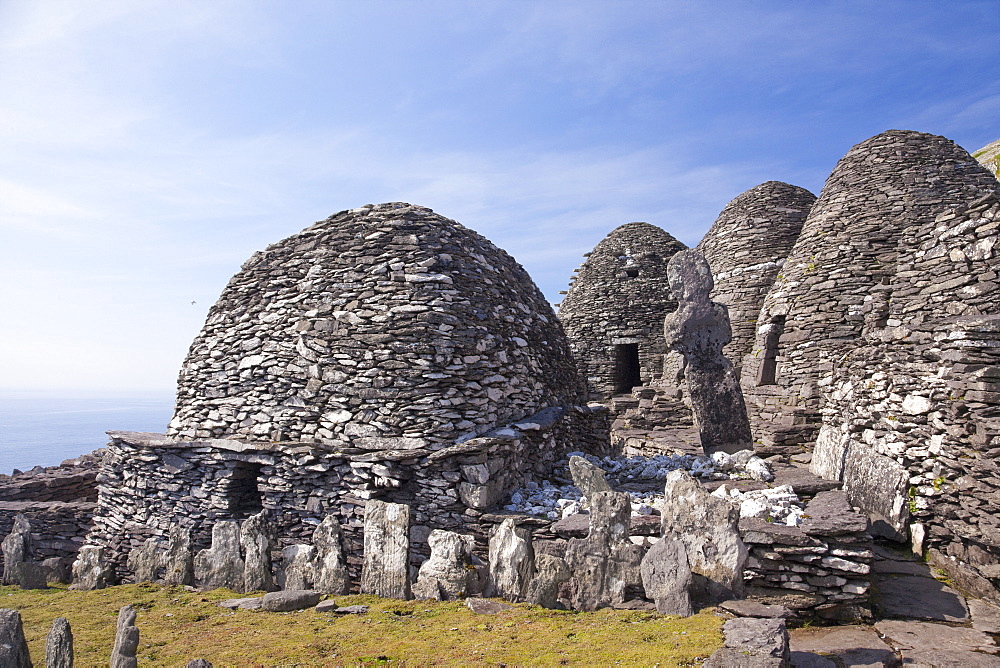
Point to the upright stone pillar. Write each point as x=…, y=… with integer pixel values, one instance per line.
x=386, y=568
x=451, y=571
x=91, y=569
x=178, y=566
x=255, y=539
x=13, y=646
x=126, y=640
x=512, y=561
x=330, y=567
x=698, y=329
x=145, y=561
x=221, y=565
x=17, y=549
x=59, y=645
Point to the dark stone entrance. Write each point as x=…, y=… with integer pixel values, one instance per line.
x=627, y=369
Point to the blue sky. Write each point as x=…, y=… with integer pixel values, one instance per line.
x=148, y=148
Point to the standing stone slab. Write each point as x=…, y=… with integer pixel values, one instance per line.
x=126, y=640
x=28, y=575
x=330, y=567
x=146, y=561
x=222, y=564
x=698, y=330
x=451, y=571
x=59, y=645
x=551, y=572
x=666, y=577
x=604, y=566
x=91, y=569
x=297, y=569
x=589, y=478
x=707, y=527
x=178, y=566
x=386, y=568
x=13, y=646
x=255, y=539
x=512, y=561
x=17, y=548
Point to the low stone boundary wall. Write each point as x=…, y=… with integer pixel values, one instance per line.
x=818, y=569
x=58, y=527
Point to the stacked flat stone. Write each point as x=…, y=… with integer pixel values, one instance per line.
x=912, y=423
x=848, y=245
x=60, y=525
x=383, y=327
x=746, y=248
x=820, y=569
x=620, y=296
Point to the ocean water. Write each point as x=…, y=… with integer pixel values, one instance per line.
x=46, y=428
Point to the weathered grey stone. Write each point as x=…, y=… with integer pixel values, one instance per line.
x=386, y=568
x=829, y=514
x=330, y=567
x=145, y=561
x=550, y=574
x=853, y=645
x=484, y=606
x=929, y=636
x=666, y=577
x=199, y=663
x=13, y=646
x=126, y=640
x=451, y=571
x=604, y=566
x=753, y=642
x=28, y=575
x=698, y=329
x=708, y=528
x=334, y=607
x=58, y=570
x=985, y=617
x=512, y=561
x=879, y=486
x=256, y=540
x=91, y=570
x=17, y=548
x=247, y=603
x=748, y=608
x=589, y=478
x=59, y=645
x=178, y=560
x=221, y=565
x=917, y=597
x=297, y=570
x=290, y=599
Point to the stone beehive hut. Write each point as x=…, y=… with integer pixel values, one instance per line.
x=384, y=353
x=614, y=310
x=746, y=248
x=385, y=327
x=848, y=245
x=912, y=417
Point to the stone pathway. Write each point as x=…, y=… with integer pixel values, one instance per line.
x=924, y=622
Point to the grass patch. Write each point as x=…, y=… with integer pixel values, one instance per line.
x=176, y=625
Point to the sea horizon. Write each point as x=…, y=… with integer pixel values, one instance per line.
x=47, y=427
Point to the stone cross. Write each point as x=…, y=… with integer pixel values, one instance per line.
x=126, y=640
x=698, y=330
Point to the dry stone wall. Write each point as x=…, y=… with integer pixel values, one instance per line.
x=746, y=248
x=614, y=309
x=912, y=422
x=383, y=327
x=813, y=314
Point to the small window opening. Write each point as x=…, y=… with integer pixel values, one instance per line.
x=627, y=369
x=632, y=273
x=244, y=497
x=768, y=371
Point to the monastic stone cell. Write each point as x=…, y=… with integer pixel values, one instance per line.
x=746, y=248
x=383, y=327
x=912, y=419
x=813, y=314
x=614, y=310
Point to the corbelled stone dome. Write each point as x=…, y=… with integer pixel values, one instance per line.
x=746, y=248
x=614, y=310
x=813, y=314
x=383, y=327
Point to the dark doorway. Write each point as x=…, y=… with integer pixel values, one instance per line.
x=627, y=370
x=244, y=494
x=769, y=365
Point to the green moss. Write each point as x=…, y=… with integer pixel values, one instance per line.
x=176, y=625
